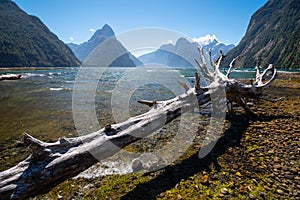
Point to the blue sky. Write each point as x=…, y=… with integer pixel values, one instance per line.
x=76, y=20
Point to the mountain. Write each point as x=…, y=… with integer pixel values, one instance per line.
x=82, y=50
x=183, y=53
x=211, y=43
x=101, y=35
x=216, y=47
x=26, y=41
x=272, y=36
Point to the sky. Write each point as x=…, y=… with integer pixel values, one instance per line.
x=76, y=20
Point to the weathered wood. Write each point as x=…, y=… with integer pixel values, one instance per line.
x=10, y=77
x=51, y=163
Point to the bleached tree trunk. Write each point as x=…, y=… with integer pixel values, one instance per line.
x=10, y=77
x=52, y=163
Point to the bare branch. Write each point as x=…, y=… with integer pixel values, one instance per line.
x=197, y=84
x=210, y=58
x=184, y=85
x=148, y=103
x=203, y=65
x=257, y=76
x=260, y=77
x=219, y=60
x=231, y=67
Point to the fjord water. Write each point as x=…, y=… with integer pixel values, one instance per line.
x=41, y=102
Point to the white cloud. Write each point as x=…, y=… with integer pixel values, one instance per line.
x=71, y=38
x=92, y=30
x=168, y=42
x=205, y=40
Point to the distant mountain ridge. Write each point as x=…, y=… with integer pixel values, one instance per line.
x=272, y=36
x=105, y=34
x=183, y=53
x=26, y=41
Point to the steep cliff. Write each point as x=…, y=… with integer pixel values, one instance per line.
x=272, y=36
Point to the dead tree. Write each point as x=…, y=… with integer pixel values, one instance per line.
x=52, y=163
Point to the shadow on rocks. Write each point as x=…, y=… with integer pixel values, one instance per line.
x=171, y=175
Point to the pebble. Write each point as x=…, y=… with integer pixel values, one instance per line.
x=271, y=151
x=221, y=195
x=137, y=165
x=255, y=181
x=179, y=196
x=276, y=159
x=204, y=180
x=261, y=194
x=278, y=166
x=224, y=191
x=161, y=195
x=251, y=196
x=238, y=174
x=235, y=166
x=289, y=176
x=267, y=188
x=279, y=191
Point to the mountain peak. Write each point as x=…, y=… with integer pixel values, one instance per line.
x=106, y=31
x=82, y=50
x=106, y=35
x=215, y=41
x=207, y=39
x=182, y=42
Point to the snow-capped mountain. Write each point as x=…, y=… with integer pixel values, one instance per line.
x=205, y=40
x=183, y=53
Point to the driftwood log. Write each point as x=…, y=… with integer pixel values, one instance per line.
x=10, y=77
x=52, y=163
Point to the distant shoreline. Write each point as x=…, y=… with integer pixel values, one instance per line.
x=31, y=68
x=53, y=68
x=288, y=72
